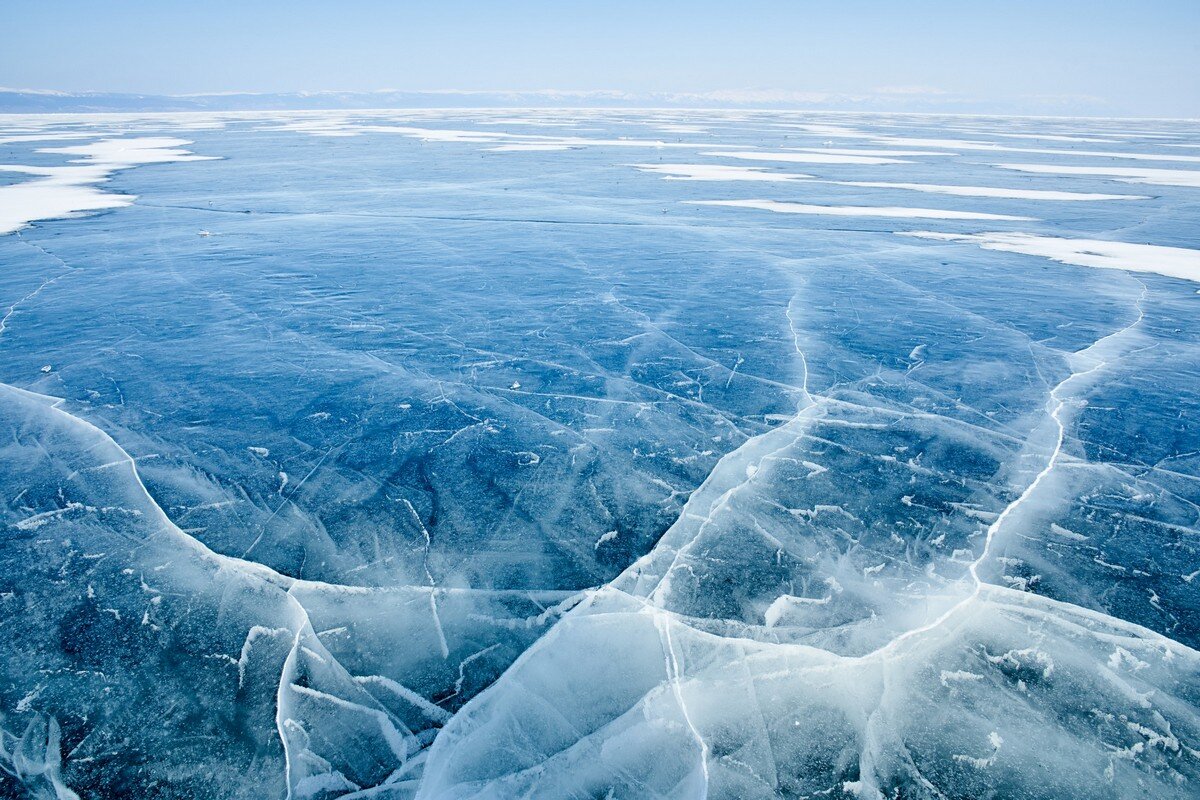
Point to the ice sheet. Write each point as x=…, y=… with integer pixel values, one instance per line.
x=453, y=453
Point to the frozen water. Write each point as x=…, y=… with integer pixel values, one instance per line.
x=856, y=211
x=472, y=454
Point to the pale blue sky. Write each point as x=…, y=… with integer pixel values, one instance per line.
x=1136, y=57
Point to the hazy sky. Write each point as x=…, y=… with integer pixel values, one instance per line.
x=1136, y=57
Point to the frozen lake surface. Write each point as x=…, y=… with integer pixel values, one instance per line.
x=587, y=454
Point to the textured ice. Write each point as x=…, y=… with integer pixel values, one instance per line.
x=460, y=454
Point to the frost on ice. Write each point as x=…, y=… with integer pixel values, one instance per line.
x=462, y=455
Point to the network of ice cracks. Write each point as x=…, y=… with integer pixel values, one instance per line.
x=694, y=489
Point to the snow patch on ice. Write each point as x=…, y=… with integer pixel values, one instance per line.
x=717, y=172
x=898, y=212
x=793, y=157
x=57, y=192
x=992, y=191
x=1157, y=177
x=1173, y=262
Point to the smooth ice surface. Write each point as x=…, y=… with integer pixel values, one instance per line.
x=498, y=454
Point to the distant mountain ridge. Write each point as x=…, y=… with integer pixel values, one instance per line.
x=25, y=101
